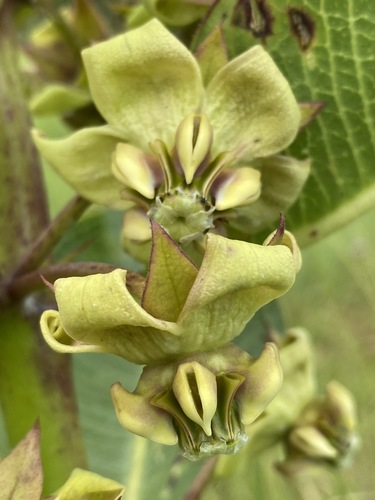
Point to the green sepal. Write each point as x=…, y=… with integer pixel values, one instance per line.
x=170, y=277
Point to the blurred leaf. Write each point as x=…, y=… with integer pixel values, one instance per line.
x=325, y=50
x=21, y=473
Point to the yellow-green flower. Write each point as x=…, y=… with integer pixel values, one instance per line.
x=181, y=310
x=325, y=432
x=202, y=401
x=173, y=143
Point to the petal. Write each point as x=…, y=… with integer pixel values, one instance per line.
x=312, y=443
x=56, y=337
x=236, y=187
x=137, y=415
x=288, y=240
x=282, y=180
x=251, y=106
x=341, y=406
x=235, y=279
x=144, y=82
x=84, y=161
x=134, y=168
x=99, y=310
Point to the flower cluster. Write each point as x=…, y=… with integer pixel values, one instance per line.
x=187, y=150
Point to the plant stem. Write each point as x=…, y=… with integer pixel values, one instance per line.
x=29, y=282
x=23, y=204
x=44, y=244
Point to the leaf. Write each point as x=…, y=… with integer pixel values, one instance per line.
x=170, y=278
x=325, y=50
x=86, y=485
x=21, y=474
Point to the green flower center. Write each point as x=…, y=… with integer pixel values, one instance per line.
x=186, y=214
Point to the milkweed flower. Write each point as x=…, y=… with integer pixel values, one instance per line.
x=203, y=402
x=180, y=310
x=180, y=146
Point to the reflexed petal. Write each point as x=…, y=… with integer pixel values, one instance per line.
x=234, y=281
x=251, y=106
x=137, y=415
x=56, y=337
x=134, y=168
x=99, y=310
x=144, y=82
x=84, y=161
x=237, y=187
x=288, y=240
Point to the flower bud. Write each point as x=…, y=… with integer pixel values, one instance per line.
x=312, y=443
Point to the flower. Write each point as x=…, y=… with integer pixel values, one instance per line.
x=174, y=136
x=325, y=432
x=202, y=401
x=181, y=309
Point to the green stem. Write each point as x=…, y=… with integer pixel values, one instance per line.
x=23, y=204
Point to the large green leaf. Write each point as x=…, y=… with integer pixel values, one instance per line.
x=335, y=65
